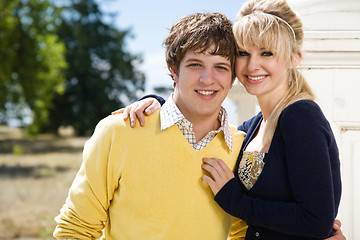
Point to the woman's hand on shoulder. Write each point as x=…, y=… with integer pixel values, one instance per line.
x=138, y=110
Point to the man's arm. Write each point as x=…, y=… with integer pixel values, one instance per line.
x=85, y=211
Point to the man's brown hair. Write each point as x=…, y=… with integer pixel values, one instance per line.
x=200, y=32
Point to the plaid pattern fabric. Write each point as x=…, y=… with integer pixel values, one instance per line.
x=170, y=115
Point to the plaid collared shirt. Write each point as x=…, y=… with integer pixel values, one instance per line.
x=170, y=115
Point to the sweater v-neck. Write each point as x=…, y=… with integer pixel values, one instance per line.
x=189, y=147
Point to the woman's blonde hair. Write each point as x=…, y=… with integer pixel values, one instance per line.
x=274, y=26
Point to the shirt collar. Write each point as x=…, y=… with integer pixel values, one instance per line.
x=170, y=115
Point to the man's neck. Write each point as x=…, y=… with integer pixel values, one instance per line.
x=202, y=127
x=202, y=124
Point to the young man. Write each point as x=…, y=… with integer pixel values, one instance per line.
x=146, y=182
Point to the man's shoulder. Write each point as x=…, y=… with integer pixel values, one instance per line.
x=115, y=125
x=113, y=121
x=118, y=121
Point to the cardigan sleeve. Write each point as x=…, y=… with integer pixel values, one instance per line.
x=85, y=212
x=250, y=124
x=157, y=97
x=242, y=127
x=308, y=142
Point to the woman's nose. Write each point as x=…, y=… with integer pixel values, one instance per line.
x=253, y=63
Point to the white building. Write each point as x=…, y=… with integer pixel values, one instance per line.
x=331, y=64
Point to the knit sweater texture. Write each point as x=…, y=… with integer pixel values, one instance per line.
x=144, y=183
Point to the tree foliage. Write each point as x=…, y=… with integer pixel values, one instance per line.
x=63, y=65
x=101, y=76
x=32, y=60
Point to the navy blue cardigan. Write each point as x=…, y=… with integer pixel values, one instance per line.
x=298, y=192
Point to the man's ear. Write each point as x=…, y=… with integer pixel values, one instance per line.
x=174, y=74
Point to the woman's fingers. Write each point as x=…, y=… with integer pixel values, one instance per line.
x=213, y=168
x=147, y=106
x=219, y=171
x=137, y=110
x=119, y=111
x=337, y=223
x=218, y=167
x=155, y=105
x=211, y=183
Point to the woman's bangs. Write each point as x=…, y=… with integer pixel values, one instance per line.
x=262, y=34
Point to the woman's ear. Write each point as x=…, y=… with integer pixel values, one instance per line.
x=296, y=59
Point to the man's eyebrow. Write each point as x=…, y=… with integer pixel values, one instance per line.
x=193, y=60
x=198, y=60
x=224, y=63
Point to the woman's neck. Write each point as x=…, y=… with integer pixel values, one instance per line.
x=268, y=103
x=267, y=107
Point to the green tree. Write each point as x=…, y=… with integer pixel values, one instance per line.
x=101, y=76
x=31, y=70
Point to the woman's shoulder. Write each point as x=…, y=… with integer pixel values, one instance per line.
x=303, y=105
x=303, y=108
x=303, y=112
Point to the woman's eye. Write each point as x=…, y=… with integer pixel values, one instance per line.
x=267, y=54
x=242, y=53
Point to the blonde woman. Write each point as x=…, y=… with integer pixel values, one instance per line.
x=287, y=181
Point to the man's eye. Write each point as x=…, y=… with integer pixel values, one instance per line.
x=194, y=65
x=222, y=68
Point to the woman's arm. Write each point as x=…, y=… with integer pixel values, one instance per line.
x=313, y=175
x=338, y=235
x=221, y=174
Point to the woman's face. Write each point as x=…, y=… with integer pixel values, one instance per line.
x=262, y=73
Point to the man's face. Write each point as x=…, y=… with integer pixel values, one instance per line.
x=202, y=84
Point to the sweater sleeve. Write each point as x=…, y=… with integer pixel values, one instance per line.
x=307, y=140
x=85, y=212
x=238, y=229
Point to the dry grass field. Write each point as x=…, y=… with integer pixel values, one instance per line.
x=35, y=176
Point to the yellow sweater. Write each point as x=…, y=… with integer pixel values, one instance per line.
x=143, y=183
